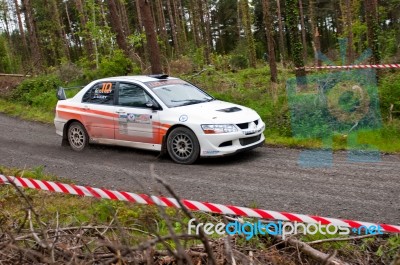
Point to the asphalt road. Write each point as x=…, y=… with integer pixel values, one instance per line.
x=267, y=178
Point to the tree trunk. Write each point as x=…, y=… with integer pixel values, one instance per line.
x=117, y=26
x=88, y=42
x=247, y=23
x=371, y=17
x=151, y=37
x=173, y=27
x=350, y=35
x=282, y=46
x=194, y=22
x=60, y=39
x=203, y=27
x=208, y=28
x=178, y=24
x=303, y=30
x=139, y=15
x=183, y=21
x=161, y=18
x=33, y=40
x=5, y=20
x=337, y=16
x=315, y=34
x=270, y=42
x=124, y=17
x=20, y=25
x=295, y=43
x=77, y=48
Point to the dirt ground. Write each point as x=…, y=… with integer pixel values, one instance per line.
x=7, y=83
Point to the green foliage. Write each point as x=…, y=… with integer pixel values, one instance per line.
x=137, y=39
x=359, y=31
x=116, y=64
x=197, y=57
x=250, y=87
x=239, y=62
x=389, y=92
x=9, y=62
x=26, y=112
x=35, y=99
x=221, y=62
x=38, y=92
x=69, y=72
x=292, y=16
x=180, y=66
x=239, y=58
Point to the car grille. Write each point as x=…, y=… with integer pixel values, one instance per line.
x=249, y=140
x=245, y=125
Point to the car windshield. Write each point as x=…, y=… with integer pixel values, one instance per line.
x=181, y=94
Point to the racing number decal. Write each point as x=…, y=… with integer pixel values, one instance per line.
x=106, y=88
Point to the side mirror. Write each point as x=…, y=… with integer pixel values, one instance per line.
x=61, y=94
x=151, y=104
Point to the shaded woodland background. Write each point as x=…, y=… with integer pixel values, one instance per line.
x=39, y=34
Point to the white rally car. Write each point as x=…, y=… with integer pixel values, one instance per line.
x=157, y=113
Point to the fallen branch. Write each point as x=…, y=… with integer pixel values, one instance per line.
x=339, y=239
x=313, y=253
x=202, y=236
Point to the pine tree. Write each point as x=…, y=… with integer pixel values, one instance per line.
x=37, y=60
x=292, y=16
x=117, y=26
x=282, y=46
x=151, y=37
x=371, y=17
x=270, y=41
x=316, y=44
x=247, y=22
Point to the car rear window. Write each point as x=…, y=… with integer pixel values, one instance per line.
x=100, y=93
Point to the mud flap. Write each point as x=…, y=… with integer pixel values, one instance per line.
x=64, y=142
x=163, y=151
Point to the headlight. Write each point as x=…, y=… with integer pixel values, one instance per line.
x=218, y=128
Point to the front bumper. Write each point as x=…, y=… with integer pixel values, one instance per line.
x=229, y=143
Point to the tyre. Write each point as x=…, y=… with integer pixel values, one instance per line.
x=77, y=137
x=183, y=146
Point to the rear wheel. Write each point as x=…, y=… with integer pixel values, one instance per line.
x=77, y=137
x=183, y=146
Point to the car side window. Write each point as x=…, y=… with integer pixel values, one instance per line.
x=132, y=95
x=100, y=93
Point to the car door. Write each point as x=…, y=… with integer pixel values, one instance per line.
x=99, y=110
x=136, y=121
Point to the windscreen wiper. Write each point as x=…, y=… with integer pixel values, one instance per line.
x=190, y=101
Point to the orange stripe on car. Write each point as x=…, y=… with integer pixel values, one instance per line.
x=99, y=112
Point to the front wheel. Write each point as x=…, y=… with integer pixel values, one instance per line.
x=183, y=146
x=77, y=136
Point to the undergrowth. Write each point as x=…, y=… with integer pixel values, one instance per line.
x=34, y=99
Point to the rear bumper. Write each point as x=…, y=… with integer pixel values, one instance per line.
x=59, y=124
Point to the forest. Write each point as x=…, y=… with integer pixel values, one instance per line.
x=242, y=51
x=39, y=35
x=251, y=52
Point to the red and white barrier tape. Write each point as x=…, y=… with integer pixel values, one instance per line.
x=356, y=66
x=191, y=205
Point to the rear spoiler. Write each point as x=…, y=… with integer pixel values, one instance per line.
x=61, y=92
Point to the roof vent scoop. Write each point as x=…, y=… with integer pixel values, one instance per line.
x=232, y=109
